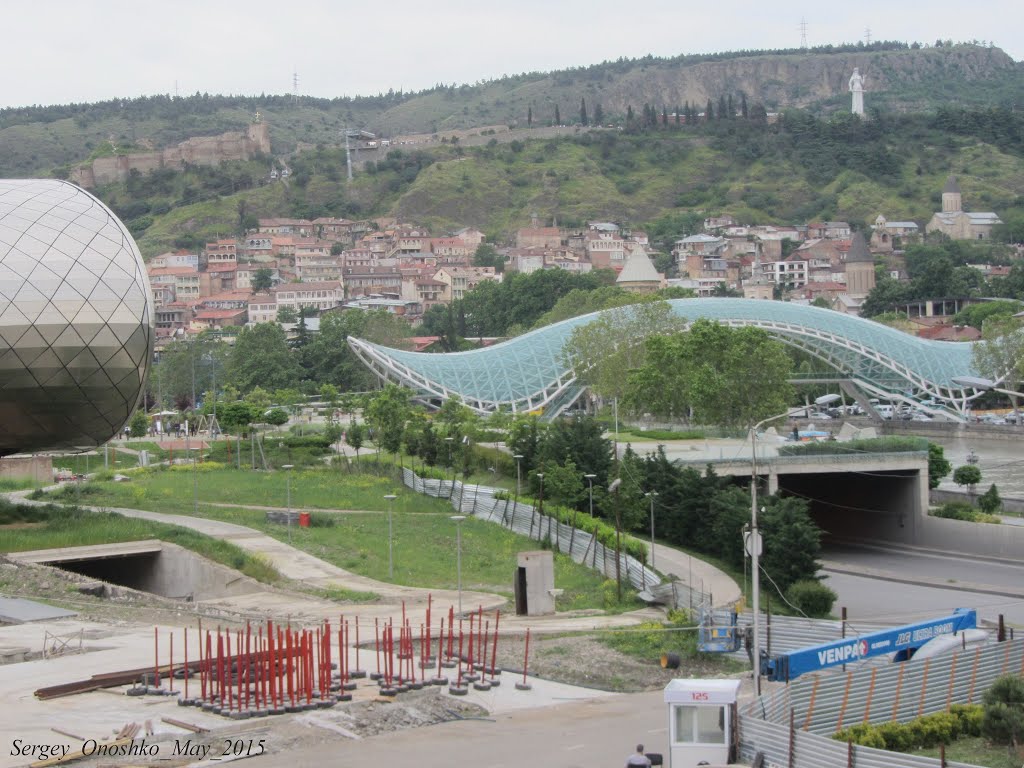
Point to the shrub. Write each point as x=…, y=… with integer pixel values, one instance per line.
x=811, y=597
x=990, y=502
x=932, y=730
x=956, y=510
x=970, y=717
x=897, y=736
x=277, y=417
x=1003, y=721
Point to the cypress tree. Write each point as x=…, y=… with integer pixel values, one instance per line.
x=709, y=111
x=558, y=116
x=529, y=117
x=583, y=112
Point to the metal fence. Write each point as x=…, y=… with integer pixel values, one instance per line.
x=583, y=547
x=791, y=726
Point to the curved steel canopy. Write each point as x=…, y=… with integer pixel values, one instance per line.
x=529, y=373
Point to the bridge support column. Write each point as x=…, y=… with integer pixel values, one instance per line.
x=773, y=483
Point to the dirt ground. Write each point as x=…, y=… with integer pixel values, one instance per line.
x=574, y=659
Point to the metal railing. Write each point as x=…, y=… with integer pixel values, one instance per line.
x=583, y=547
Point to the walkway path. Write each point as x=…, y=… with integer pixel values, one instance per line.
x=696, y=574
x=303, y=567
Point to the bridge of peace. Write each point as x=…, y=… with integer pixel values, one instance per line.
x=530, y=373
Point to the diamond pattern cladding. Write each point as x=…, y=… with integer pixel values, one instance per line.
x=76, y=319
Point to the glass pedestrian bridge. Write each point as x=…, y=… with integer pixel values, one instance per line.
x=530, y=374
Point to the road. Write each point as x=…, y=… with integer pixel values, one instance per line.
x=589, y=734
x=897, y=583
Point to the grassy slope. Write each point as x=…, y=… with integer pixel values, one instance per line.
x=497, y=188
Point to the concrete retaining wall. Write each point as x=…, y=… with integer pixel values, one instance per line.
x=1000, y=541
x=181, y=573
x=1010, y=506
x=36, y=468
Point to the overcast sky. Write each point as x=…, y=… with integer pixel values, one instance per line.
x=59, y=51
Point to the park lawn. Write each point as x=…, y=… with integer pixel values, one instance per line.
x=171, y=490
x=424, y=544
x=976, y=751
x=85, y=463
x=52, y=527
x=16, y=484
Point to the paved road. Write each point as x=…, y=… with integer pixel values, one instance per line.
x=589, y=734
x=925, y=583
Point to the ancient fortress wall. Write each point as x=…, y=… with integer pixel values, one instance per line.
x=199, y=150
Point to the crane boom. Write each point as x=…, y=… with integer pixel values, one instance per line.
x=902, y=641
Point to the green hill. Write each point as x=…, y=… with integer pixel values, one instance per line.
x=900, y=78
x=799, y=169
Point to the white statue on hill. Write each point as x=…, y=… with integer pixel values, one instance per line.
x=857, y=88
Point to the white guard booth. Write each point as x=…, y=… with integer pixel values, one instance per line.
x=700, y=721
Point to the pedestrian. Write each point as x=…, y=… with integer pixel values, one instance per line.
x=638, y=758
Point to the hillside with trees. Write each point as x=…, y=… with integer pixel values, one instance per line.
x=902, y=77
x=657, y=173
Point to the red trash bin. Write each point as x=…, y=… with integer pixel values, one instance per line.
x=303, y=519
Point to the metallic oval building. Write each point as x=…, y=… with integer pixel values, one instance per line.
x=76, y=319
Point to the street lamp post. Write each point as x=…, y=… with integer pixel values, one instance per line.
x=540, y=505
x=518, y=457
x=195, y=487
x=458, y=549
x=451, y=489
x=590, y=482
x=288, y=497
x=614, y=489
x=391, y=550
x=651, y=495
x=754, y=545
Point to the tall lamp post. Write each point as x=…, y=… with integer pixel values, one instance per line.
x=519, y=470
x=451, y=489
x=391, y=550
x=652, y=495
x=614, y=489
x=754, y=540
x=458, y=548
x=288, y=497
x=590, y=482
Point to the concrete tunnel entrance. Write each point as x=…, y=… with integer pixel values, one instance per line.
x=148, y=566
x=134, y=571
x=878, y=505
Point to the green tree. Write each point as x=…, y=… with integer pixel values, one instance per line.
x=584, y=120
x=386, y=414
x=603, y=352
x=139, y=424
x=792, y=542
x=327, y=357
x=1000, y=354
x=938, y=465
x=188, y=366
x=729, y=376
x=563, y=483
x=598, y=114
x=486, y=255
x=287, y=315
x=278, y=417
x=262, y=280
x=990, y=502
x=968, y=475
x=1003, y=722
x=261, y=357
x=233, y=417
x=558, y=116
x=529, y=117
x=355, y=436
